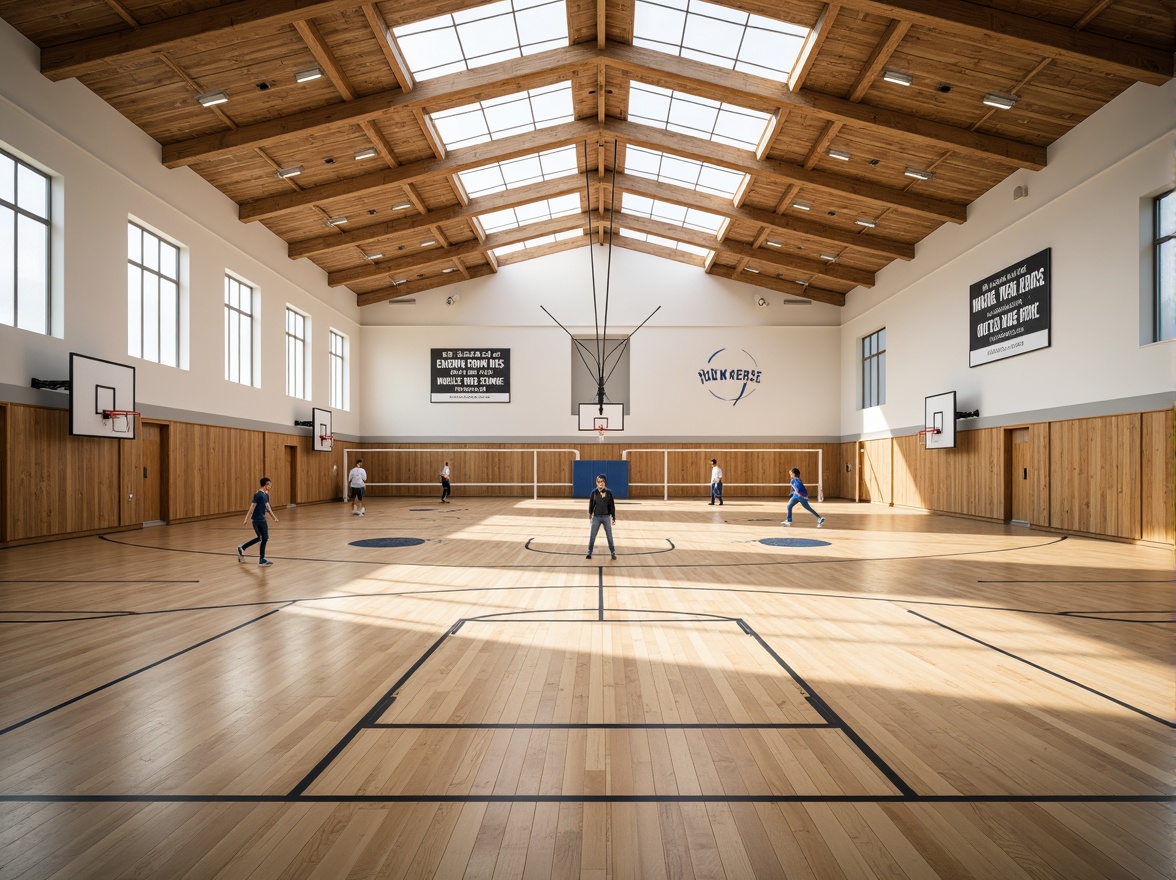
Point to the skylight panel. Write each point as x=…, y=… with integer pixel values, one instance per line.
x=696, y=116
x=717, y=35
x=518, y=172
x=682, y=172
x=666, y=243
x=536, y=242
x=667, y=212
x=535, y=212
x=504, y=116
x=482, y=35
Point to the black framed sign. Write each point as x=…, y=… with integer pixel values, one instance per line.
x=1010, y=311
x=469, y=375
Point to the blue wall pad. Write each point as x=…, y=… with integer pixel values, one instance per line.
x=584, y=477
x=794, y=542
x=388, y=542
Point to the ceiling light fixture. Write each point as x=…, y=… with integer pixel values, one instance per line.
x=999, y=101
x=377, y=255
x=311, y=73
x=771, y=243
x=863, y=221
x=839, y=154
x=428, y=242
x=396, y=282
x=802, y=206
x=403, y=206
x=919, y=174
x=899, y=79
x=369, y=153
x=211, y=99
x=336, y=221
x=448, y=270
x=751, y=270
x=829, y=257
x=292, y=171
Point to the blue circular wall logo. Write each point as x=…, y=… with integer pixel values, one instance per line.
x=730, y=375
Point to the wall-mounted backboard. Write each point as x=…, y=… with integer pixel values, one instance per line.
x=610, y=415
x=96, y=387
x=323, y=435
x=940, y=414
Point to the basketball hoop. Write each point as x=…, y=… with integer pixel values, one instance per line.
x=600, y=429
x=925, y=432
x=326, y=441
x=122, y=421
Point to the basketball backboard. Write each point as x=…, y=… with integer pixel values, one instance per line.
x=593, y=415
x=940, y=410
x=96, y=387
x=321, y=431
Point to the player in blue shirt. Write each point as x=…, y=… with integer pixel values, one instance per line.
x=800, y=496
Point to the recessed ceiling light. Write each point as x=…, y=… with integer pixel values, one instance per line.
x=919, y=174
x=999, y=101
x=899, y=79
x=863, y=221
x=802, y=206
x=839, y=154
x=402, y=206
x=396, y=282
x=309, y=74
x=292, y=171
x=336, y=221
x=829, y=257
x=369, y=153
x=771, y=243
x=211, y=99
x=374, y=256
x=751, y=270
x=428, y=242
x=447, y=271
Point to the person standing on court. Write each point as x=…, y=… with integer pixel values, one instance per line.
x=716, y=482
x=256, y=513
x=602, y=510
x=800, y=496
x=445, y=483
x=357, y=481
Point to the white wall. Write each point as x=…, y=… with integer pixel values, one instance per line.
x=796, y=397
x=1091, y=206
x=109, y=170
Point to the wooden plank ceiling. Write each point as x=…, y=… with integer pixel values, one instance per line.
x=411, y=224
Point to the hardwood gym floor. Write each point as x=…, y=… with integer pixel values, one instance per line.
x=894, y=695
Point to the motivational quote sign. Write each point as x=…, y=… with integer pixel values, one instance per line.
x=1010, y=311
x=470, y=375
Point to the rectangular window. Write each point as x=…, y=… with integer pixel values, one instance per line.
x=1164, y=249
x=874, y=369
x=25, y=225
x=338, y=358
x=239, y=332
x=153, y=297
x=296, y=354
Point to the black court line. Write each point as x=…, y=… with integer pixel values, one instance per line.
x=688, y=565
x=84, y=581
x=370, y=720
x=571, y=725
x=142, y=669
x=920, y=799
x=1047, y=671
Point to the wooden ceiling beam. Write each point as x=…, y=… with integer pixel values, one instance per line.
x=511, y=198
x=812, y=45
x=93, y=54
x=757, y=93
x=386, y=179
x=388, y=45
x=878, y=59
x=807, y=291
x=1008, y=31
x=689, y=147
x=677, y=195
x=421, y=285
x=322, y=53
x=496, y=80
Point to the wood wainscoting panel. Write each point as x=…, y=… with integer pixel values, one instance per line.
x=967, y=479
x=213, y=470
x=1156, y=481
x=878, y=471
x=1095, y=475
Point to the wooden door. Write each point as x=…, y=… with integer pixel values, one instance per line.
x=1019, y=462
x=151, y=487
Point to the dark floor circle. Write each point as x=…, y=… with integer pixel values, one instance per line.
x=388, y=542
x=794, y=542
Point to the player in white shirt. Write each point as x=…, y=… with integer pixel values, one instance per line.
x=357, y=480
